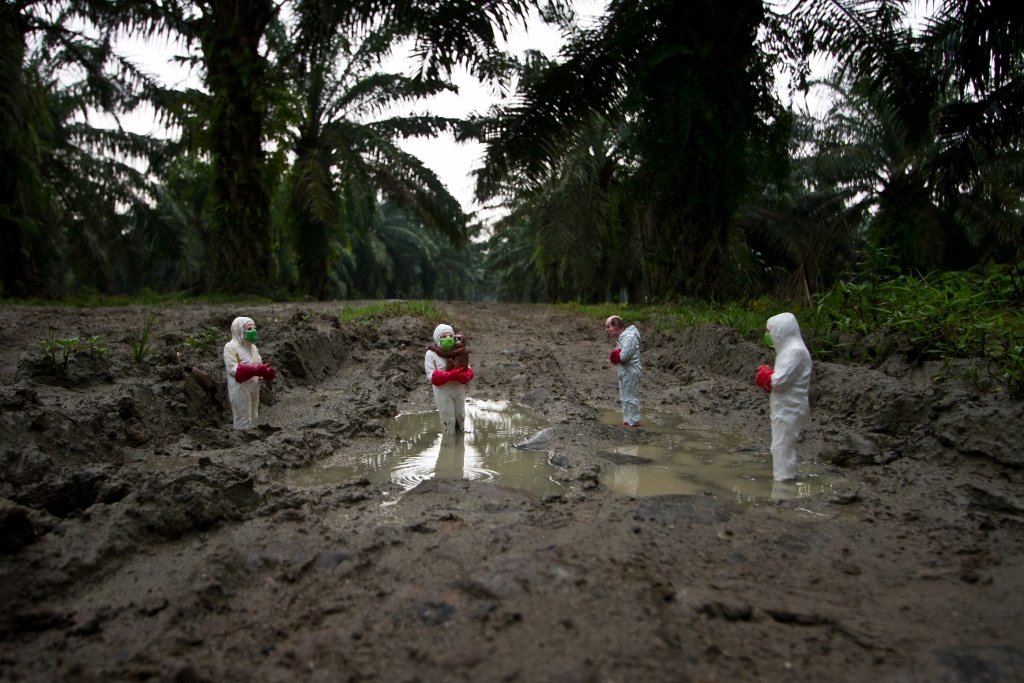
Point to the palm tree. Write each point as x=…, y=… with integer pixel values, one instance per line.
x=955, y=94
x=421, y=265
x=579, y=245
x=512, y=271
x=68, y=189
x=397, y=259
x=230, y=33
x=346, y=154
x=801, y=235
x=694, y=86
x=234, y=36
x=27, y=211
x=172, y=233
x=980, y=128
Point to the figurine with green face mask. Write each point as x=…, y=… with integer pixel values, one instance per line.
x=245, y=370
x=447, y=367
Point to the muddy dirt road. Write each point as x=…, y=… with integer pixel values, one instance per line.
x=141, y=538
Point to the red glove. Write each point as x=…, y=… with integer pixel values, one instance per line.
x=614, y=356
x=465, y=375
x=443, y=377
x=763, y=378
x=266, y=372
x=245, y=371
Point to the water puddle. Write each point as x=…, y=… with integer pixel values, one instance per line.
x=682, y=459
x=419, y=452
x=673, y=457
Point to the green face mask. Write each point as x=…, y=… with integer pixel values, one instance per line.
x=250, y=335
x=768, y=341
x=447, y=343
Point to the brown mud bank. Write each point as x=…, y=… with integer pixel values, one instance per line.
x=141, y=538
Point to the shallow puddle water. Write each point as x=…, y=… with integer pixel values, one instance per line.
x=681, y=459
x=419, y=452
x=674, y=458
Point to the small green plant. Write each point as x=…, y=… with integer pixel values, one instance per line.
x=61, y=349
x=49, y=345
x=141, y=342
x=54, y=347
x=1008, y=362
x=67, y=347
x=95, y=346
x=202, y=340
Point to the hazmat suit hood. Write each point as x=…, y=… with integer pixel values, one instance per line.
x=238, y=328
x=441, y=329
x=784, y=330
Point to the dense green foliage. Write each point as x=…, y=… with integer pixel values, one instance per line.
x=651, y=161
x=628, y=157
x=72, y=203
x=647, y=192
x=347, y=158
x=942, y=316
x=225, y=207
x=949, y=317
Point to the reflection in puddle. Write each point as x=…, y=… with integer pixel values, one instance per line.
x=419, y=452
x=679, y=459
x=674, y=458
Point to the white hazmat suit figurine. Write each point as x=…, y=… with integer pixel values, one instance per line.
x=626, y=357
x=449, y=383
x=245, y=369
x=787, y=384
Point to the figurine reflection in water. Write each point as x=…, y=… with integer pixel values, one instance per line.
x=451, y=457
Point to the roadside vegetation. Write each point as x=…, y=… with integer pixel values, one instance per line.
x=389, y=309
x=972, y=323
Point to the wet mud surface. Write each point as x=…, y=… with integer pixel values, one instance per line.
x=141, y=538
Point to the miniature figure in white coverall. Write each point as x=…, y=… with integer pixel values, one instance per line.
x=449, y=384
x=245, y=369
x=626, y=356
x=788, y=383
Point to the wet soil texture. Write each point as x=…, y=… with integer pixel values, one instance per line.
x=142, y=538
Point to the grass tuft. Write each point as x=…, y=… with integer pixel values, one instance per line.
x=388, y=309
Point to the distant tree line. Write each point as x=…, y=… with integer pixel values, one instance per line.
x=651, y=160
x=654, y=160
